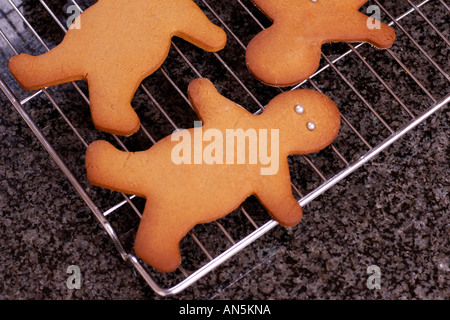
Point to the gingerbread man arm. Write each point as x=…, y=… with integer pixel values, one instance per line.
x=275, y=194
x=359, y=29
x=195, y=27
x=211, y=106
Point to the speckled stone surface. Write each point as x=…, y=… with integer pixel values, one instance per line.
x=393, y=212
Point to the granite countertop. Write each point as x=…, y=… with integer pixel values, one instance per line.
x=392, y=213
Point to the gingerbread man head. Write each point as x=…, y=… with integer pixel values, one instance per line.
x=308, y=120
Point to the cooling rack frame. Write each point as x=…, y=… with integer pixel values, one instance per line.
x=327, y=183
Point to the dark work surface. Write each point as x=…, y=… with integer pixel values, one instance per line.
x=393, y=212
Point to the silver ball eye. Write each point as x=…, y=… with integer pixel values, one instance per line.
x=313, y=1
x=299, y=109
x=311, y=126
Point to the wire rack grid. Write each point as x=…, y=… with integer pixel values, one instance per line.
x=355, y=146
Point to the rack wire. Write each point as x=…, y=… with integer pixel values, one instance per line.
x=320, y=172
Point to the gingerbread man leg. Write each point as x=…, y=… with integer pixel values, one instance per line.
x=48, y=69
x=110, y=97
x=113, y=169
x=159, y=234
x=111, y=109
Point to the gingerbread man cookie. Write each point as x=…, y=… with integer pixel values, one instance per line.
x=201, y=174
x=114, y=45
x=289, y=51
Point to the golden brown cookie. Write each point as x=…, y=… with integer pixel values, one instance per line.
x=289, y=51
x=201, y=174
x=117, y=45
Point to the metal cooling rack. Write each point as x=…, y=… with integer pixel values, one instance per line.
x=334, y=63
